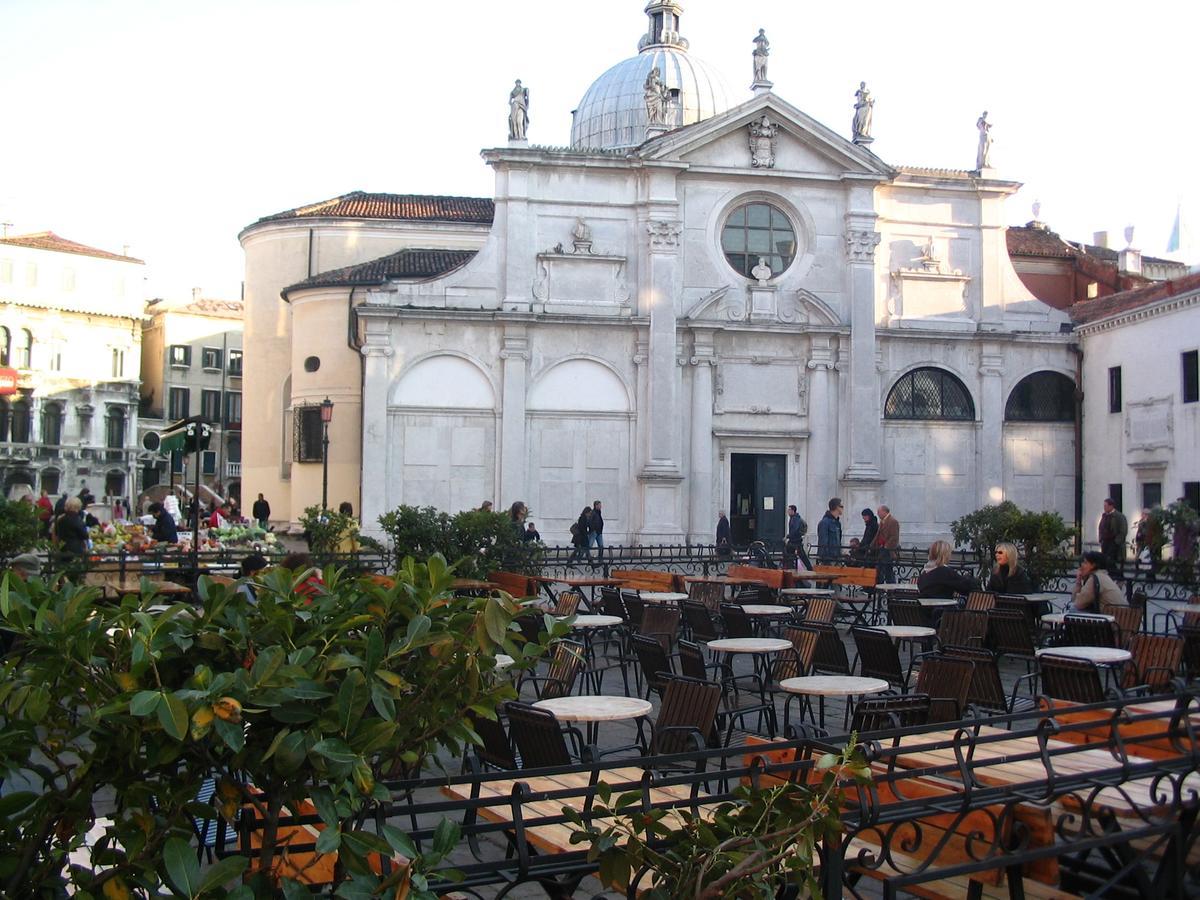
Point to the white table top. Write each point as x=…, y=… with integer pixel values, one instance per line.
x=1057, y=618
x=906, y=632
x=662, y=596
x=937, y=601
x=805, y=592
x=602, y=708
x=891, y=587
x=1098, y=655
x=834, y=685
x=503, y=661
x=1173, y=606
x=749, y=645
x=584, y=621
x=1042, y=598
x=766, y=609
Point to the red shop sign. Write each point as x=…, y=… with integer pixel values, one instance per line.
x=8, y=382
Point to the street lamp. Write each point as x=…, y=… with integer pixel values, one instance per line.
x=326, y=418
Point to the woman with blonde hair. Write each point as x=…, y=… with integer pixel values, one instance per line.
x=1007, y=575
x=938, y=580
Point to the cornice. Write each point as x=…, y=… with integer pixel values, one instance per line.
x=1162, y=307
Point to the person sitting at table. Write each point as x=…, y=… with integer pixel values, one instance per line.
x=1094, y=587
x=302, y=562
x=251, y=566
x=25, y=566
x=164, y=529
x=1007, y=575
x=531, y=533
x=937, y=580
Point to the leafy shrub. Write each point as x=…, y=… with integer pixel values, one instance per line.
x=479, y=541
x=307, y=695
x=1183, y=524
x=325, y=529
x=19, y=528
x=1042, y=537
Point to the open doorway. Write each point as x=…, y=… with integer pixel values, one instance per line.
x=758, y=497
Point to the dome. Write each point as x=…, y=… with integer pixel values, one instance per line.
x=612, y=113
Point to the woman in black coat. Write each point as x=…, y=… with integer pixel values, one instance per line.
x=938, y=580
x=871, y=522
x=69, y=529
x=1007, y=575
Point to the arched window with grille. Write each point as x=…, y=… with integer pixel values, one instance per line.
x=52, y=423
x=20, y=422
x=1042, y=397
x=929, y=394
x=25, y=351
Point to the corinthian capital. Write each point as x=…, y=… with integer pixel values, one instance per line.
x=860, y=245
x=664, y=235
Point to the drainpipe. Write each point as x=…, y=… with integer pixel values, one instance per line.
x=353, y=343
x=1078, y=351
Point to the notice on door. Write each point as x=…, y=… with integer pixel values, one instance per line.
x=768, y=503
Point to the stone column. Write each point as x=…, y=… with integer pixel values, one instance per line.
x=660, y=475
x=701, y=515
x=822, y=421
x=377, y=353
x=515, y=362
x=990, y=476
x=866, y=433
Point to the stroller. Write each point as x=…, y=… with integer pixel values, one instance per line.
x=758, y=555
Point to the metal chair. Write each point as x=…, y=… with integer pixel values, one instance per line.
x=829, y=658
x=692, y=663
x=708, y=594
x=540, y=739
x=1088, y=631
x=1009, y=635
x=700, y=622
x=1157, y=659
x=653, y=661
x=1073, y=680
x=1030, y=613
x=986, y=693
x=611, y=603
x=946, y=680
x=735, y=621
x=564, y=669
x=981, y=601
x=662, y=624
x=1190, y=635
x=820, y=610
x=962, y=628
x=567, y=603
x=496, y=750
x=906, y=611
x=686, y=717
x=635, y=606
x=878, y=657
x=889, y=713
x=1128, y=619
x=751, y=594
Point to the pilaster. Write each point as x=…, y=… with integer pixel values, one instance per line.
x=866, y=432
x=822, y=418
x=991, y=437
x=377, y=361
x=701, y=515
x=514, y=357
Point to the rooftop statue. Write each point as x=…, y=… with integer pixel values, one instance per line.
x=864, y=111
x=518, y=112
x=657, y=98
x=983, y=156
x=762, y=49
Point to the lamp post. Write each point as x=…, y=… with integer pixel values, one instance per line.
x=326, y=418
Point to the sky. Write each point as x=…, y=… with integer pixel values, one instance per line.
x=168, y=126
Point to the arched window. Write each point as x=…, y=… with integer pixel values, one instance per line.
x=50, y=480
x=52, y=422
x=5, y=345
x=758, y=230
x=20, y=422
x=114, y=428
x=5, y=414
x=1042, y=397
x=929, y=394
x=25, y=352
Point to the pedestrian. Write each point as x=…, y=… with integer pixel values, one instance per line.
x=938, y=580
x=829, y=533
x=866, y=544
x=793, y=546
x=1183, y=535
x=579, y=536
x=516, y=517
x=45, y=512
x=485, y=506
x=1112, y=533
x=1094, y=587
x=69, y=529
x=531, y=533
x=164, y=529
x=887, y=541
x=60, y=504
x=596, y=533
x=724, y=534
x=261, y=510
x=348, y=540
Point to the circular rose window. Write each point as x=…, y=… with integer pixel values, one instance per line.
x=757, y=231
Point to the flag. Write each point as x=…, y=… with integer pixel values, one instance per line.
x=1174, y=240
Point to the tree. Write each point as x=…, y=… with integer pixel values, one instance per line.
x=479, y=541
x=19, y=528
x=1041, y=537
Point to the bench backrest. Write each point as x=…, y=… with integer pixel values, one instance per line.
x=648, y=580
x=857, y=576
x=517, y=585
x=773, y=578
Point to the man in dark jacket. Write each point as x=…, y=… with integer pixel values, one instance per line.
x=261, y=510
x=829, y=533
x=164, y=530
x=1113, y=532
x=724, y=534
x=797, y=528
x=596, y=532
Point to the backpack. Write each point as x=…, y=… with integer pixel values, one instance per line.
x=574, y=529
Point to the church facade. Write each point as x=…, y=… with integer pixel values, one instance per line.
x=699, y=306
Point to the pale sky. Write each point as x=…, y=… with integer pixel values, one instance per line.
x=169, y=125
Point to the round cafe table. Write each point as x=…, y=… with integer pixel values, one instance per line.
x=503, y=661
x=673, y=597
x=760, y=649
x=586, y=623
x=592, y=621
x=1060, y=618
x=765, y=609
x=806, y=592
x=1101, y=656
x=906, y=632
x=892, y=587
x=936, y=602
x=822, y=686
x=593, y=709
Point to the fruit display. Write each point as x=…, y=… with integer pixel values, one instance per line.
x=133, y=538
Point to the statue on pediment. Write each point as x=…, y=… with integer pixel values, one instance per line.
x=762, y=50
x=518, y=112
x=762, y=143
x=864, y=111
x=983, y=156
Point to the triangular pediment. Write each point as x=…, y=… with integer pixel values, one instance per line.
x=802, y=145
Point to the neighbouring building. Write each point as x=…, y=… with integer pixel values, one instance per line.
x=705, y=302
x=70, y=336
x=192, y=366
x=1141, y=406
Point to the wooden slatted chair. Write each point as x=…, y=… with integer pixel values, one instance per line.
x=662, y=624
x=653, y=661
x=946, y=680
x=820, y=610
x=1008, y=635
x=889, y=713
x=1075, y=680
x=686, y=717
x=1129, y=622
x=708, y=594
x=1089, y=631
x=564, y=669
x=702, y=626
x=735, y=621
x=567, y=603
x=540, y=739
x=987, y=690
x=962, y=628
x=878, y=657
x=905, y=611
x=981, y=601
x=1157, y=659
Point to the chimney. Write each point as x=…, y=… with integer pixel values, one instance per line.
x=1129, y=260
x=1100, y=239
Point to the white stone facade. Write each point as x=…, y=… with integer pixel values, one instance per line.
x=636, y=371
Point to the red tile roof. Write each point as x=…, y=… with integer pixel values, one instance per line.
x=1026, y=240
x=1102, y=307
x=410, y=264
x=205, y=306
x=48, y=240
x=362, y=205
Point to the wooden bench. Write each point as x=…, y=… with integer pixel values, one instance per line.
x=649, y=580
x=850, y=576
x=520, y=586
x=772, y=578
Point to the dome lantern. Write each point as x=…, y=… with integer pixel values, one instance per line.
x=664, y=25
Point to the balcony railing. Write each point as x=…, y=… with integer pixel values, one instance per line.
x=233, y=470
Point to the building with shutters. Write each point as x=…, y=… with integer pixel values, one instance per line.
x=718, y=303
